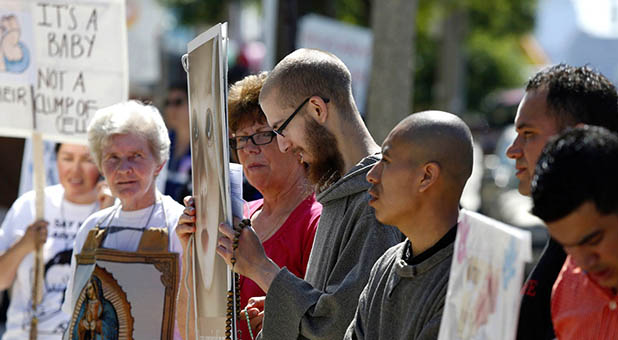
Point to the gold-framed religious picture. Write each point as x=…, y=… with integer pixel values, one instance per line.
x=124, y=295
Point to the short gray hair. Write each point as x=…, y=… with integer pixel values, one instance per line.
x=130, y=117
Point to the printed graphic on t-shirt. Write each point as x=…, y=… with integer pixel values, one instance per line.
x=64, y=231
x=57, y=272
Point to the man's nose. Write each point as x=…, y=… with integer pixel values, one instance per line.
x=284, y=144
x=514, y=150
x=373, y=176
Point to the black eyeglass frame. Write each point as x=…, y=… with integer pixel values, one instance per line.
x=279, y=131
x=233, y=143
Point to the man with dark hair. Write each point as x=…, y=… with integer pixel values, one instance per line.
x=417, y=186
x=307, y=100
x=583, y=217
x=556, y=98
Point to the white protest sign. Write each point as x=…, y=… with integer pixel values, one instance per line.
x=63, y=61
x=483, y=297
x=17, y=71
x=352, y=44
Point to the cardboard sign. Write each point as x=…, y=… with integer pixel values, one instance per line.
x=60, y=61
x=483, y=296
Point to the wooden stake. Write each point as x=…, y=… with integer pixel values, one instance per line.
x=39, y=189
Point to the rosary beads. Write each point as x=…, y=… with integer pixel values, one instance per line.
x=234, y=292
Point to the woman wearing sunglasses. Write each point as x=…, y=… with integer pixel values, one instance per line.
x=286, y=218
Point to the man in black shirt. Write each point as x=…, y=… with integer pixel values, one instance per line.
x=558, y=97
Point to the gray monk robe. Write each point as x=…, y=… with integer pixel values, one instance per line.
x=403, y=301
x=347, y=243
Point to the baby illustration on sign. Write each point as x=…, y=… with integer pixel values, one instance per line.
x=14, y=55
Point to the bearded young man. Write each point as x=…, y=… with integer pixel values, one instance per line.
x=308, y=102
x=557, y=97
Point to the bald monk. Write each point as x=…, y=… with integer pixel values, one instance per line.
x=426, y=160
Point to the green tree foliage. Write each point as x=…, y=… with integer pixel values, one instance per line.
x=357, y=12
x=493, y=55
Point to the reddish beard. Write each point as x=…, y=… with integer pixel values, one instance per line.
x=327, y=165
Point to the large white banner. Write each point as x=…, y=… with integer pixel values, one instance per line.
x=483, y=297
x=60, y=61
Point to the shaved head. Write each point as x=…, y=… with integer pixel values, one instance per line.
x=309, y=72
x=426, y=161
x=440, y=137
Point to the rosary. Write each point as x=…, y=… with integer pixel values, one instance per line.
x=234, y=292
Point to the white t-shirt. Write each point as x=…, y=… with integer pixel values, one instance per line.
x=64, y=220
x=165, y=213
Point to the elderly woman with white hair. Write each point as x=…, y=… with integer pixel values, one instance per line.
x=130, y=145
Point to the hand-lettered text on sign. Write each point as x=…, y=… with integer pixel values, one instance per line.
x=69, y=58
x=71, y=40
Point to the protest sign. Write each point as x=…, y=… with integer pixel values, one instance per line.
x=483, y=296
x=17, y=71
x=60, y=61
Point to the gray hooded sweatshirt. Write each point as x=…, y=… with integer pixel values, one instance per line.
x=347, y=243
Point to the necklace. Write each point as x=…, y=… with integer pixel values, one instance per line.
x=110, y=217
x=117, y=211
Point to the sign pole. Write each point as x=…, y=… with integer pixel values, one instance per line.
x=39, y=187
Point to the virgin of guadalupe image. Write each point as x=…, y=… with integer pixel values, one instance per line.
x=97, y=319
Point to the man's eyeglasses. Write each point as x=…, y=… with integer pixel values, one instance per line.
x=260, y=138
x=279, y=131
x=176, y=102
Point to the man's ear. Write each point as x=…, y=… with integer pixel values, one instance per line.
x=318, y=109
x=431, y=172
